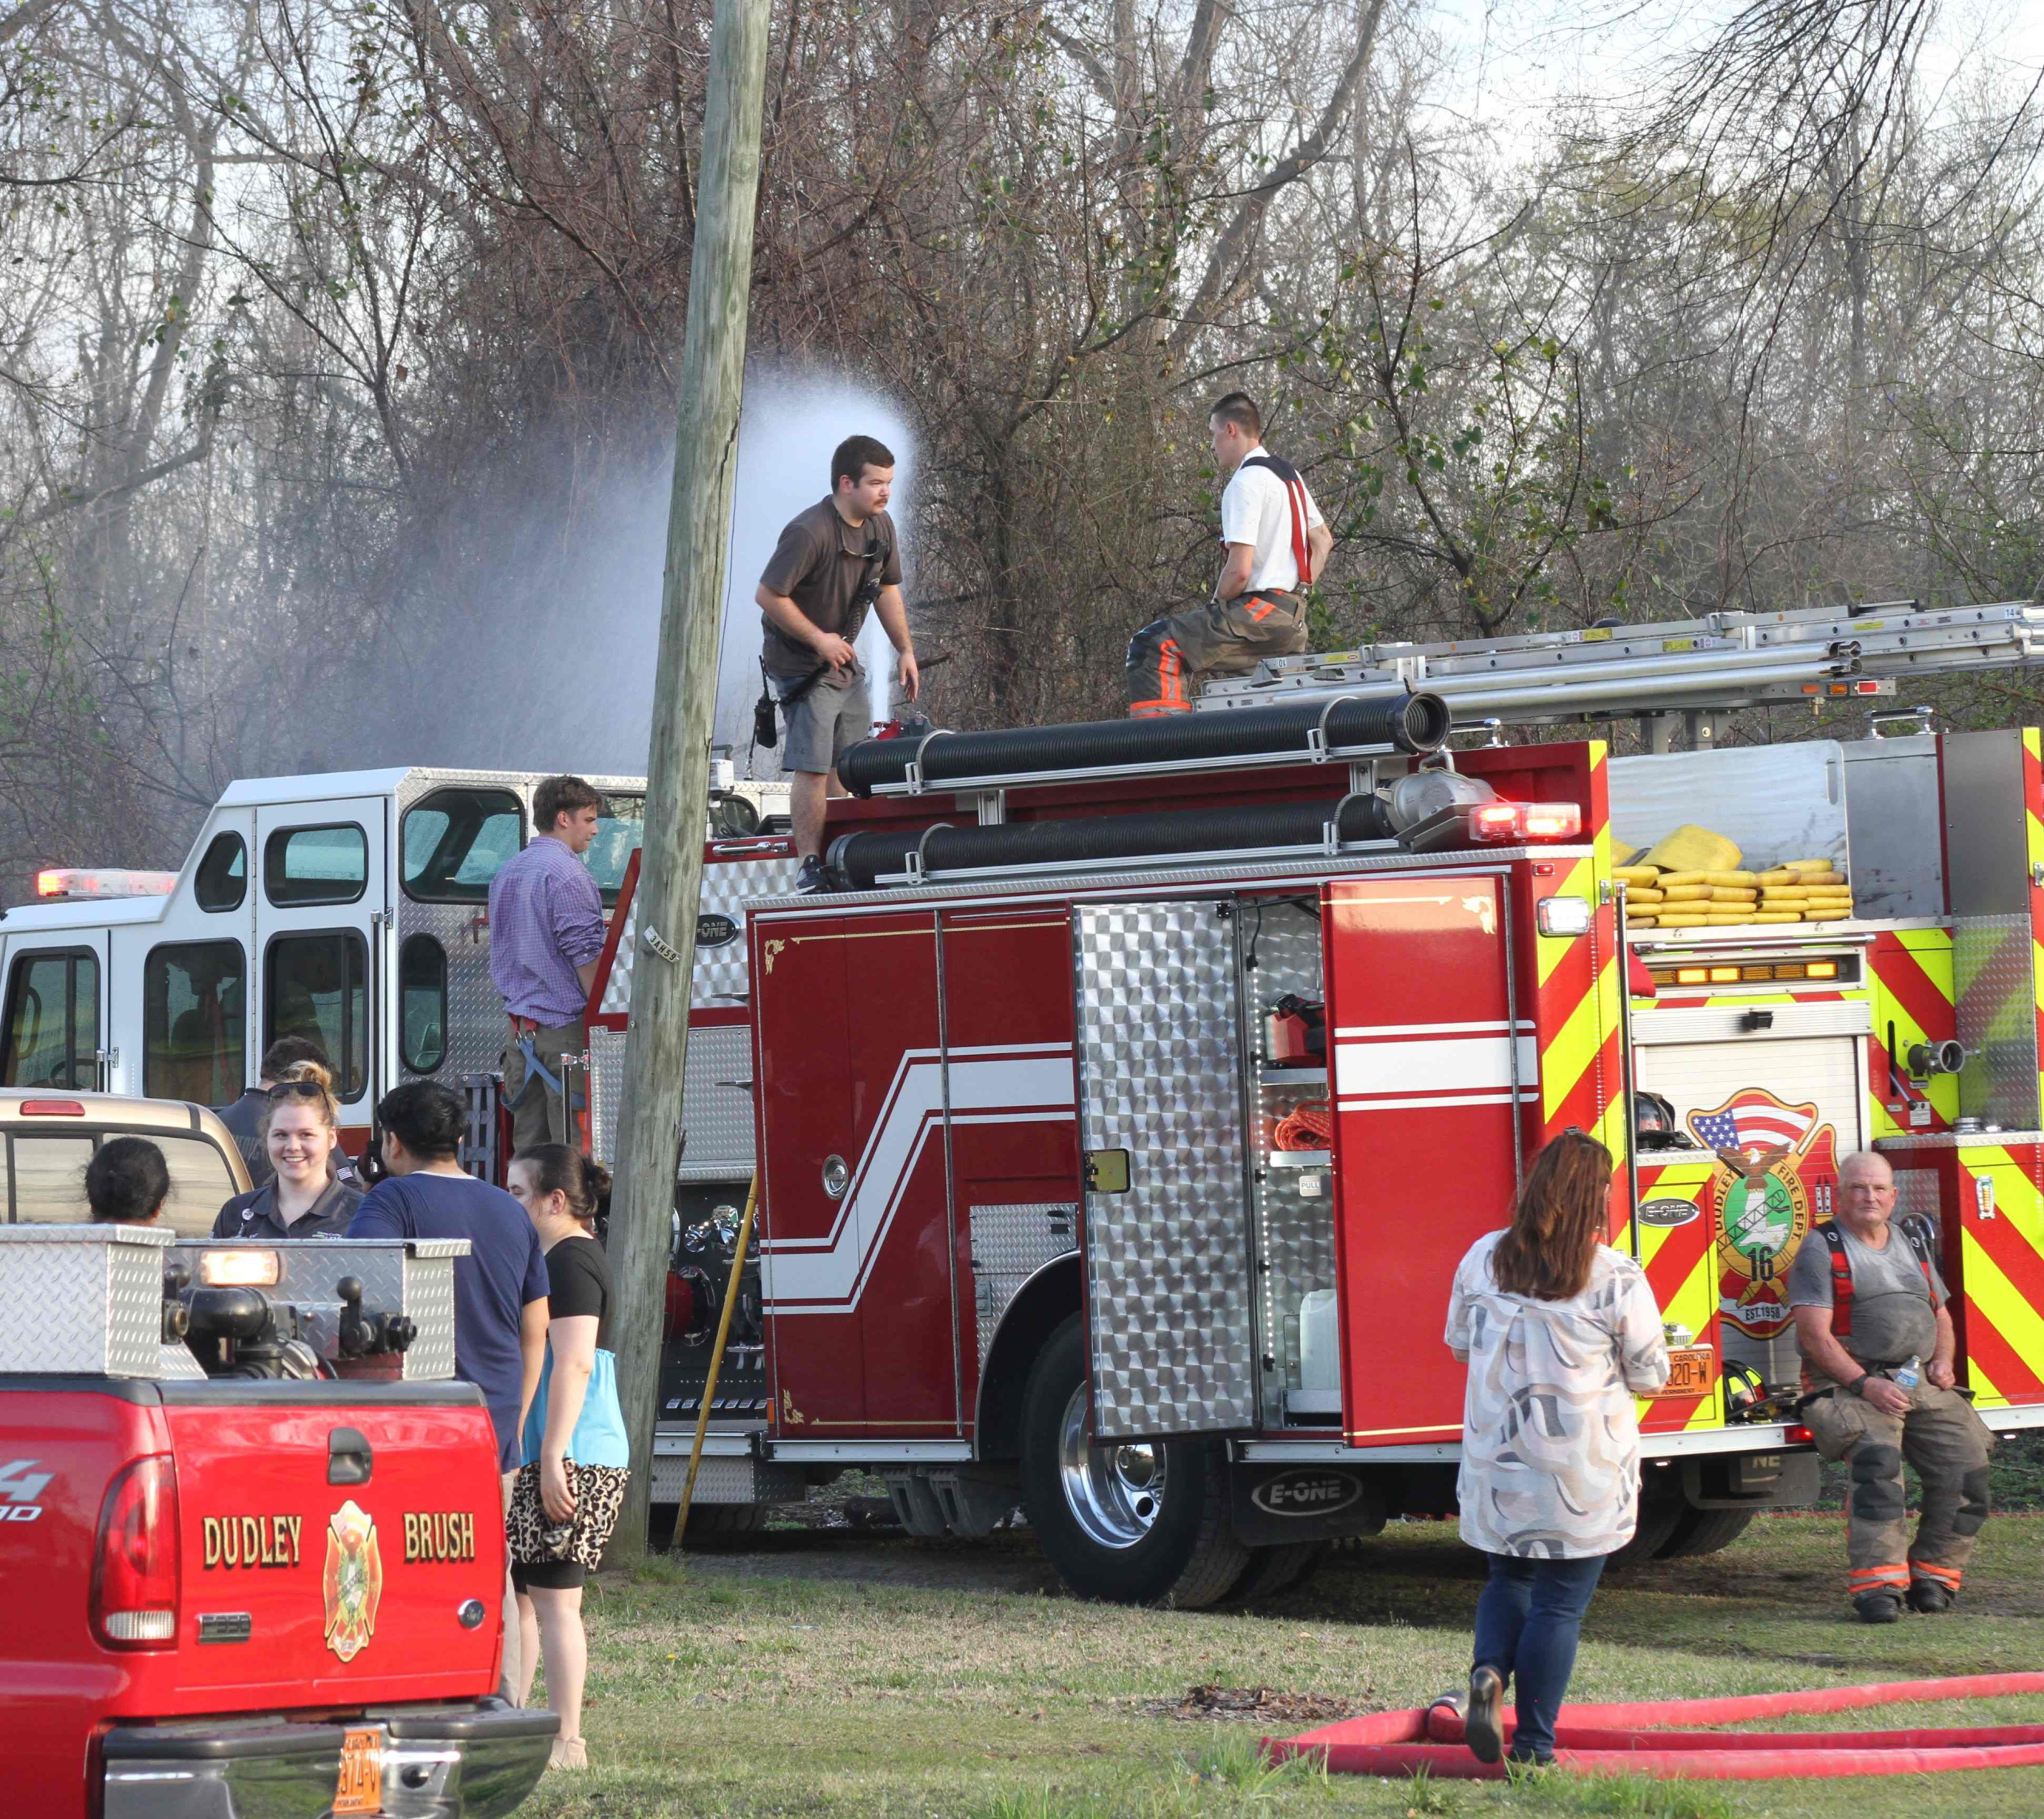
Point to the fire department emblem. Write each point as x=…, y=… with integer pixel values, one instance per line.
x=1775, y=1160
x=353, y=1580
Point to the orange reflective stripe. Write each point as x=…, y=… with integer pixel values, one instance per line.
x=1170, y=668
x=1944, y=1575
x=1149, y=710
x=1262, y=609
x=1861, y=1578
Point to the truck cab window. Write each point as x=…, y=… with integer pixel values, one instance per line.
x=423, y=1003
x=315, y=864
x=316, y=986
x=53, y=1022
x=453, y=842
x=195, y=1022
x=620, y=831
x=222, y=879
x=47, y=1178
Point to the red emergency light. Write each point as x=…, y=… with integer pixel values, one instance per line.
x=1513, y=824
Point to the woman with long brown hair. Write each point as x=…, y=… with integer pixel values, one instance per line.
x=1560, y=1333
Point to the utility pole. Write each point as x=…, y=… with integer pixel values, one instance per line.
x=684, y=704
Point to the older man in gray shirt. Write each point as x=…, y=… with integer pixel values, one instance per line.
x=1869, y=1303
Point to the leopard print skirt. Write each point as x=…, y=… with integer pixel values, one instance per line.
x=537, y=1540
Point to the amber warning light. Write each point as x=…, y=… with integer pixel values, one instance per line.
x=60, y=883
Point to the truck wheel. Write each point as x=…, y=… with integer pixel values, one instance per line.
x=1136, y=1523
x=1704, y=1531
x=1273, y=1569
x=1660, y=1511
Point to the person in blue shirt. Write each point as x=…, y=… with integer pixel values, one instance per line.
x=500, y=1287
x=571, y=1486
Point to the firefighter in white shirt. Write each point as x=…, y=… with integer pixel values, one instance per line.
x=1277, y=543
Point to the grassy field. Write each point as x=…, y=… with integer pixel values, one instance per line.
x=756, y=1687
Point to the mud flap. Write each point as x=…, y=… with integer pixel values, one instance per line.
x=1269, y=1505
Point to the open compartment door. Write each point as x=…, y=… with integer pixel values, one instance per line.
x=1430, y=1061
x=1168, y=1293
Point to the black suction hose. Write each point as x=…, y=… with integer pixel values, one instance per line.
x=1387, y=719
x=857, y=861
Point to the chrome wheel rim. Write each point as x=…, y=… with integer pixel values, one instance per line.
x=1115, y=1493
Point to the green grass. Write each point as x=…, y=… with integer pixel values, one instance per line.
x=717, y=1689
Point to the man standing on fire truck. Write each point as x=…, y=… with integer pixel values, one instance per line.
x=1868, y=1300
x=833, y=562
x=1277, y=543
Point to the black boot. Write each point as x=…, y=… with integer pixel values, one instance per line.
x=1877, y=1607
x=1480, y=1723
x=1928, y=1597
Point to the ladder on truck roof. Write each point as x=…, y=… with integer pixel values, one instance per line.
x=1652, y=672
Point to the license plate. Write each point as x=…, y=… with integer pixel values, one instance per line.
x=1689, y=1372
x=360, y=1788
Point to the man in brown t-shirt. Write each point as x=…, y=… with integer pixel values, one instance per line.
x=832, y=561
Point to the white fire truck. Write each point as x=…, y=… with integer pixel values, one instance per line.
x=1120, y=1118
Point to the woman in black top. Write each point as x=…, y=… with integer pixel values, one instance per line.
x=571, y=1486
x=301, y=1128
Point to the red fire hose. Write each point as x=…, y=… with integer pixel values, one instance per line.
x=1629, y=1739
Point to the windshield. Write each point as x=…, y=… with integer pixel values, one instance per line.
x=619, y=830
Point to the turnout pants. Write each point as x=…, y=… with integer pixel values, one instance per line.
x=1169, y=657
x=1948, y=1444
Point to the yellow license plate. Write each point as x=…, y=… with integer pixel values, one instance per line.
x=360, y=1788
x=1689, y=1371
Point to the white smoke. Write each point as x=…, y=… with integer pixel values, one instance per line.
x=550, y=661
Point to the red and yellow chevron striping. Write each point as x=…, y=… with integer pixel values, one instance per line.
x=1910, y=973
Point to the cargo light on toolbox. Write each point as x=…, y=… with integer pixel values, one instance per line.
x=239, y=1269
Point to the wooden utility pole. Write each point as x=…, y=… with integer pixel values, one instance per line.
x=684, y=705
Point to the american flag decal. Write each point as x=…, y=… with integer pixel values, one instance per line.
x=1753, y=1120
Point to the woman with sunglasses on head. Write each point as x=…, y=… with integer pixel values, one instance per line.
x=300, y=1130
x=1560, y=1333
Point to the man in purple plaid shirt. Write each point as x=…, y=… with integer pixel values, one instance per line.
x=546, y=932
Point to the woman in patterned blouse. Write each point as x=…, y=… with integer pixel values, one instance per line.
x=1560, y=1333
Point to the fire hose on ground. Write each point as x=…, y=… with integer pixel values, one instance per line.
x=1648, y=1737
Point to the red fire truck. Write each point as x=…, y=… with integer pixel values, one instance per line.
x=1119, y=1120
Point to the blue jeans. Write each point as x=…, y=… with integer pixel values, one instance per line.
x=1528, y=1621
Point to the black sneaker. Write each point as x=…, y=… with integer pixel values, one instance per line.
x=1877, y=1607
x=812, y=878
x=1928, y=1597
x=1480, y=1722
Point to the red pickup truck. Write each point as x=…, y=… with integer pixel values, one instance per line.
x=274, y=1591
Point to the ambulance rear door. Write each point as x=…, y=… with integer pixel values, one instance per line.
x=1432, y=1053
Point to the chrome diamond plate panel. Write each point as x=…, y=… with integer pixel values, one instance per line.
x=1992, y=973
x=1167, y=1264
x=726, y=1480
x=429, y=1298
x=723, y=979
x=607, y=1090
x=82, y=1300
x=1010, y=1244
x=1916, y=1191
x=716, y=1105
